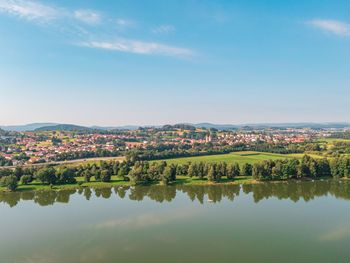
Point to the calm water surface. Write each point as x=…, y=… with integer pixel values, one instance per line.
x=272, y=222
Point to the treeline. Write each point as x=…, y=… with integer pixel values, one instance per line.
x=85, y=154
x=59, y=175
x=307, y=167
x=272, y=148
x=341, y=147
x=145, y=172
x=168, y=152
x=341, y=135
x=177, y=126
x=285, y=149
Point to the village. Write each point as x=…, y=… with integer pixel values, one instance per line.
x=44, y=147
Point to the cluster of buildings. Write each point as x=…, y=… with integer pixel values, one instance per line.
x=30, y=147
x=250, y=138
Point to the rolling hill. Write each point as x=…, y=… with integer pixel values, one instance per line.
x=64, y=127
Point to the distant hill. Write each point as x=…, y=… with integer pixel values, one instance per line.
x=273, y=125
x=109, y=128
x=216, y=126
x=207, y=125
x=26, y=127
x=64, y=127
x=312, y=125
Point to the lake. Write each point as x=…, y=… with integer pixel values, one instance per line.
x=268, y=222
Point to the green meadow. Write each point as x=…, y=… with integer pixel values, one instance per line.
x=330, y=140
x=238, y=157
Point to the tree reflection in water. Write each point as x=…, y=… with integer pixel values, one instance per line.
x=292, y=190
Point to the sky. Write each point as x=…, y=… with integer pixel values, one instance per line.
x=93, y=62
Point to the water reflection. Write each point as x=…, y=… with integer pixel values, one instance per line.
x=294, y=191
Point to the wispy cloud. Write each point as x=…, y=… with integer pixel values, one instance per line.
x=338, y=233
x=332, y=26
x=124, y=22
x=148, y=220
x=38, y=12
x=88, y=16
x=29, y=10
x=163, y=29
x=140, y=47
x=71, y=22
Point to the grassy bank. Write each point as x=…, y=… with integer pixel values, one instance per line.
x=116, y=181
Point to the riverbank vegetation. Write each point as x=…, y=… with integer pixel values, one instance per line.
x=163, y=172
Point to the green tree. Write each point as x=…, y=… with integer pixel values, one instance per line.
x=18, y=172
x=201, y=170
x=173, y=169
x=166, y=176
x=123, y=170
x=87, y=175
x=65, y=175
x=192, y=170
x=135, y=175
x=153, y=171
x=10, y=182
x=46, y=175
x=230, y=172
x=26, y=179
x=212, y=173
x=116, y=168
x=236, y=170
x=247, y=169
x=105, y=175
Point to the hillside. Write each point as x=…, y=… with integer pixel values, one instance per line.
x=26, y=127
x=64, y=127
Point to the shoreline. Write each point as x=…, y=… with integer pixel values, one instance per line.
x=181, y=180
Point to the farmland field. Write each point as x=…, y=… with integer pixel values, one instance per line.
x=239, y=157
x=330, y=140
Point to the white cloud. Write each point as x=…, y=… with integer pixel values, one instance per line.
x=88, y=16
x=29, y=10
x=332, y=26
x=163, y=29
x=140, y=47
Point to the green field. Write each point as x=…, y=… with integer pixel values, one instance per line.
x=238, y=157
x=330, y=140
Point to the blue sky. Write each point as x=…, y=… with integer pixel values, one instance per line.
x=95, y=62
